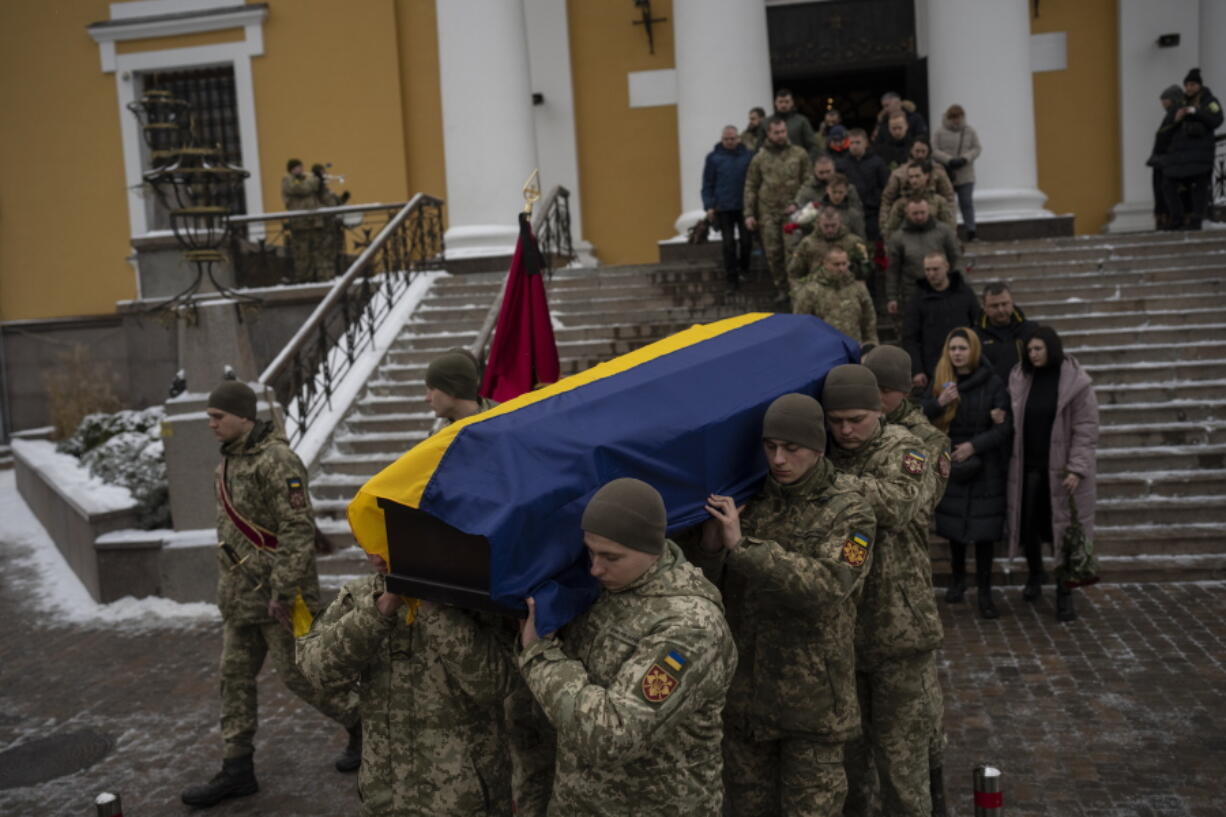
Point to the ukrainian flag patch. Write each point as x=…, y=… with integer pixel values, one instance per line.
x=913, y=462
x=855, y=549
x=675, y=660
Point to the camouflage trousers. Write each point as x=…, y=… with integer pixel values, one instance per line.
x=314, y=254
x=793, y=777
x=243, y=649
x=897, y=710
x=532, y=741
x=770, y=227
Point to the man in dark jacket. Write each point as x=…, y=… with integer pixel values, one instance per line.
x=723, y=190
x=893, y=143
x=1172, y=101
x=800, y=129
x=942, y=303
x=1002, y=329
x=906, y=250
x=868, y=174
x=1189, y=160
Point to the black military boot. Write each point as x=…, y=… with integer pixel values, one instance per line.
x=983, y=577
x=1034, y=587
x=236, y=779
x=350, y=757
x=1064, y=604
x=936, y=782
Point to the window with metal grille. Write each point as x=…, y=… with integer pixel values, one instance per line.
x=213, y=113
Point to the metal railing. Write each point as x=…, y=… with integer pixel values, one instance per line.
x=303, y=246
x=304, y=376
x=551, y=226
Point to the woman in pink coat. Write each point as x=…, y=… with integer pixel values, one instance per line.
x=1055, y=441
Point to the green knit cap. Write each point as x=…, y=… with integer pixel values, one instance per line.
x=798, y=419
x=234, y=397
x=892, y=366
x=454, y=373
x=630, y=512
x=851, y=386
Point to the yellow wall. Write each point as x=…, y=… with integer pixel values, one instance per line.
x=420, y=101
x=628, y=165
x=63, y=207
x=1077, y=112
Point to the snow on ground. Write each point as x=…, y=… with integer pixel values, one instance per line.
x=53, y=586
x=74, y=480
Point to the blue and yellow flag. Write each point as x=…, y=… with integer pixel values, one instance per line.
x=683, y=414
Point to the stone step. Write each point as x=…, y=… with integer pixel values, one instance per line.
x=357, y=464
x=1207, y=509
x=1123, y=394
x=1161, y=458
x=435, y=342
x=338, y=485
x=1138, y=309
x=1144, y=335
x=1096, y=240
x=1163, y=412
x=1151, y=352
x=1164, y=434
x=387, y=423
x=1156, y=541
x=1107, y=374
x=1113, y=288
x=998, y=253
x=1056, y=268
x=377, y=442
x=1162, y=484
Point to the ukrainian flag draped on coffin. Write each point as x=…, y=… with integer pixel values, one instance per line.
x=684, y=414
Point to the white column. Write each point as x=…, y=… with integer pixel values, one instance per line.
x=723, y=70
x=1145, y=70
x=488, y=134
x=979, y=57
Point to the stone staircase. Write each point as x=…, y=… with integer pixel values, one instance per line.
x=1139, y=311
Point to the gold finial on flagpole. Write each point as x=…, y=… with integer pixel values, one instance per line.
x=532, y=190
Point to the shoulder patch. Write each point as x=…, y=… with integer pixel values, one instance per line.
x=944, y=465
x=914, y=462
x=1214, y=107
x=297, y=495
x=855, y=549
x=657, y=684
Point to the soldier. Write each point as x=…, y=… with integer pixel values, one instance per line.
x=755, y=132
x=267, y=585
x=897, y=627
x=300, y=191
x=938, y=182
x=823, y=175
x=777, y=171
x=892, y=367
x=432, y=682
x=919, y=184
x=790, y=566
x=831, y=232
x=452, y=382
x=836, y=297
x=841, y=196
x=635, y=685
x=332, y=243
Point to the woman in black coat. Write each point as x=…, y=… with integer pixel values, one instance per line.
x=970, y=404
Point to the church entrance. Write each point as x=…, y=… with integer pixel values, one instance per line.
x=844, y=54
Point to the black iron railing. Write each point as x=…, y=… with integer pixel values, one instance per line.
x=304, y=376
x=551, y=226
x=303, y=246
x=1217, y=203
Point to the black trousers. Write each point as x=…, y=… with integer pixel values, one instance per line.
x=737, y=246
x=1035, y=528
x=1196, y=188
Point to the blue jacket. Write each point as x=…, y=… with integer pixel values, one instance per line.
x=723, y=177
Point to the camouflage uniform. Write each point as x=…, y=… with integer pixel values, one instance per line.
x=815, y=190
x=267, y=484
x=775, y=174
x=938, y=208
x=790, y=593
x=897, y=628
x=897, y=187
x=430, y=692
x=635, y=687
x=841, y=301
x=906, y=249
x=306, y=236
x=811, y=252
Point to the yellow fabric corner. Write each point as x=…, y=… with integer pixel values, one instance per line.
x=300, y=616
x=405, y=480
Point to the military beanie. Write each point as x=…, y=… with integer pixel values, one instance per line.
x=630, y=512
x=798, y=419
x=891, y=366
x=851, y=386
x=1173, y=92
x=234, y=397
x=1193, y=76
x=454, y=373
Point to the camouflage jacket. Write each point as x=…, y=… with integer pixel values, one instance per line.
x=790, y=592
x=635, y=688
x=897, y=613
x=911, y=416
x=897, y=186
x=841, y=301
x=809, y=254
x=300, y=192
x=775, y=174
x=814, y=190
x=938, y=208
x=267, y=485
x=430, y=695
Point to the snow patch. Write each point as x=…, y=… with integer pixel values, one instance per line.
x=54, y=588
x=91, y=494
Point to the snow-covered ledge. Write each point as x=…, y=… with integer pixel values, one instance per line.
x=77, y=510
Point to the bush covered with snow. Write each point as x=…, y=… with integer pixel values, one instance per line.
x=125, y=448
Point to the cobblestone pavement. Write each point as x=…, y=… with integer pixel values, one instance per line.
x=1120, y=713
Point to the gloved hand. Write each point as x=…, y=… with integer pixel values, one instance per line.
x=957, y=162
